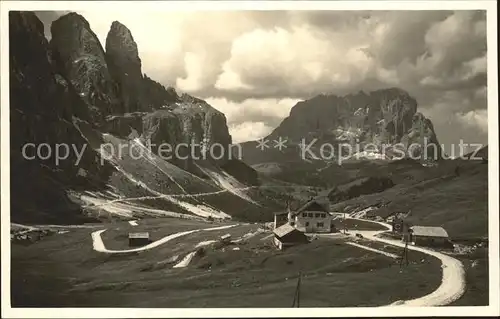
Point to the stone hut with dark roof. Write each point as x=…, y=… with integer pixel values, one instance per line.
x=286, y=235
x=428, y=236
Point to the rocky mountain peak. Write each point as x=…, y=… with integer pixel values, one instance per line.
x=124, y=65
x=84, y=39
x=71, y=92
x=79, y=56
x=43, y=104
x=169, y=118
x=120, y=37
x=385, y=116
x=26, y=21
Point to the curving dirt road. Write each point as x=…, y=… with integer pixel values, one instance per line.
x=452, y=284
x=99, y=246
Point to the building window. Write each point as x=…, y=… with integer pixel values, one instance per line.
x=307, y=224
x=320, y=224
x=292, y=223
x=323, y=215
x=318, y=215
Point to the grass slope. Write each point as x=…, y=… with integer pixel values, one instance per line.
x=63, y=270
x=436, y=197
x=140, y=173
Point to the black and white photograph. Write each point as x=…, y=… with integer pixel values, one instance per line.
x=271, y=155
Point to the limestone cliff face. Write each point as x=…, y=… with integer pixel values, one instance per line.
x=70, y=92
x=125, y=67
x=195, y=123
x=80, y=57
x=128, y=125
x=169, y=118
x=156, y=95
x=43, y=106
x=387, y=116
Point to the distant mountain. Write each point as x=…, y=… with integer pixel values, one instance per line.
x=482, y=153
x=383, y=118
x=72, y=91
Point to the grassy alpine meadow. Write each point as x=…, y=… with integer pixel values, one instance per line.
x=64, y=270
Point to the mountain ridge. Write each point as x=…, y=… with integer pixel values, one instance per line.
x=380, y=118
x=44, y=79
x=101, y=99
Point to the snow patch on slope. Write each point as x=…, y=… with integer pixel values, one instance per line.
x=349, y=134
x=124, y=209
x=117, y=209
x=229, y=183
x=196, y=209
x=249, y=235
x=361, y=213
x=186, y=260
x=204, y=243
x=369, y=156
x=200, y=210
x=155, y=159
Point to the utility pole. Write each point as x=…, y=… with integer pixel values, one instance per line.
x=422, y=153
x=296, y=297
x=345, y=227
x=404, y=255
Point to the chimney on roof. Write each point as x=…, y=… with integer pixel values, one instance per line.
x=289, y=212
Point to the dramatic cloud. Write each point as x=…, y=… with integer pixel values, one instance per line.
x=477, y=119
x=253, y=118
x=293, y=62
x=249, y=131
x=255, y=65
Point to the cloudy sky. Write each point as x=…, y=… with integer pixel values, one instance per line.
x=255, y=65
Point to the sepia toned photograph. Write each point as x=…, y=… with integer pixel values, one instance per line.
x=231, y=158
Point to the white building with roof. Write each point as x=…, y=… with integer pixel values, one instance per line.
x=312, y=217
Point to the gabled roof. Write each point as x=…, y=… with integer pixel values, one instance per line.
x=138, y=235
x=281, y=213
x=312, y=205
x=284, y=230
x=429, y=231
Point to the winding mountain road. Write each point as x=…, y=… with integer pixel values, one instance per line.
x=99, y=246
x=452, y=284
x=451, y=288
